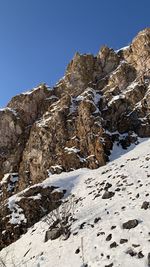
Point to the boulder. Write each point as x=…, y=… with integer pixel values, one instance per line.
x=108, y=194
x=145, y=205
x=130, y=224
x=52, y=234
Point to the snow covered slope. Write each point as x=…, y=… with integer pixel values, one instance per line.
x=98, y=237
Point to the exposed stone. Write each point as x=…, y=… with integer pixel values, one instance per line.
x=96, y=220
x=109, y=237
x=24, y=210
x=145, y=205
x=109, y=265
x=138, y=52
x=131, y=252
x=122, y=241
x=108, y=194
x=113, y=245
x=77, y=251
x=130, y=224
x=107, y=186
x=75, y=123
x=97, y=93
x=52, y=234
x=140, y=255
x=15, y=123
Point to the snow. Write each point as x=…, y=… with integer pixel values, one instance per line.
x=35, y=89
x=123, y=48
x=117, y=152
x=52, y=97
x=31, y=91
x=38, y=196
x=73, y=106
x=9, y=109
x=124, y=93
x=17, y=215
x=115, y=98
x=129, y=176
x=89, y=95
x=92, y=96
x=5, y=178
x=56, y=167
x=10, y=179
x=70, y=150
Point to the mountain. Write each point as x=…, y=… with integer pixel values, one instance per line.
x=98, y=234
x=99, y=109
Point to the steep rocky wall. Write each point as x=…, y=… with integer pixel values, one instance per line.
x=15, y=123
x=75, y=123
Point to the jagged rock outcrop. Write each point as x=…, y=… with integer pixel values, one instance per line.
x=25, y=209
x=137, y=53
x=15, y=123
x=100, y=100
x=69, y=135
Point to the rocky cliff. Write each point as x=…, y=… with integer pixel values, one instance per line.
x=100, y=100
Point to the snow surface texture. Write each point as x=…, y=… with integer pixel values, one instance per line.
x=97, y=218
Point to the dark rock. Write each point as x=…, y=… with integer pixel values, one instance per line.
x=122, y=241
x=97, y=195
x=100, y=233
x=107, y=186
x=131, y=252
x=96, y=220
x=77, y=251
x=117, y=189
x=82, y=225
x=108, y=194
x=130, y=224
x=33, y=204
x=113, y=227
x=145, y=205
x=136, y=245
x=52, y=234
x=109, y=237
x=113, y=245
x=109, y=265
x=75, y=233
x=140, y=255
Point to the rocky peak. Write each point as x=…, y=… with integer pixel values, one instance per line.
x=108, y=59
x=80, y=73
x=100, y=100
x=28, y=105
x=138, y=52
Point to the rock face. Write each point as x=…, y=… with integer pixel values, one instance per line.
x=98, y=96
x=74, y=124
x=100, y=100
x=25, y=209
x=15, y=123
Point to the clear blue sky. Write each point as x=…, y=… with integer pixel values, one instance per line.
x=38, y=38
